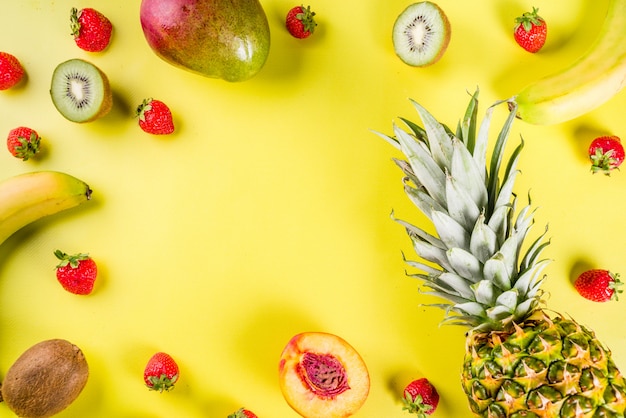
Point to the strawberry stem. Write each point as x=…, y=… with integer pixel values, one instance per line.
x=529, y=19
x=73, y=260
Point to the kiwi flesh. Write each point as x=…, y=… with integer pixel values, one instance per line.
x=45, y=379
x=80, y=91
x=421, y=34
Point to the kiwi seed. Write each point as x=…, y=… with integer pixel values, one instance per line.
x=45, y=379
x=80, y=91
x=421, y=34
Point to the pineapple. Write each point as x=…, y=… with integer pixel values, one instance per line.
x=520, y=361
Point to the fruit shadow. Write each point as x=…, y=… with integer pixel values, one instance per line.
x=28, y=232
x=531, y=67
x=270, y=329
x=19, y=87
x=90, y=399
x=206, y=404
x=582, y=134
x=579, y=266
x=287, y=53
x=121, y=112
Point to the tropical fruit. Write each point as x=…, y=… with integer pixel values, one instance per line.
x=587, y=83
x=45, y=379
x=227, y=39
x=520, y=360
x=421, y=34
x=28, y=197
x=80, y=91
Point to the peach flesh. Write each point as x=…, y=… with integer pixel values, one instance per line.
x=322, y=376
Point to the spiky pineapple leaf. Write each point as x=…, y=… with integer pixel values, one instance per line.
x=482, y=143
x=473, y=258
x=455, y=283
x=471, y=308
x=499, y=222
x=508, y=300
x=466, y=129
x=529, y=277
x=472, y=178
x=496, y=159
x=534, y=251
x=417, y=232
x=484, y=292
x=431, y=253
x=496, y=271
x=483, y=240
x=461, y=207
x=393, y=141
x=508, y=179
x=418, y=131
x=422, y=200
x=426, y=170
x=464, y=263
x=451, y=233
x=439, y=139
x=428, y=269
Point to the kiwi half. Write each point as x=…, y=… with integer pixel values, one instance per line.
x=421, y=34
x=80, y=91
x=45, y=379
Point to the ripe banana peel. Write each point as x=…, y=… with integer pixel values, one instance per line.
x=589, y=82
x=28, y=197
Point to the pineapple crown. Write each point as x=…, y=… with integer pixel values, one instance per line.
x=475, y=259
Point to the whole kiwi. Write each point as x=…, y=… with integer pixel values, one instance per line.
x=45, y=379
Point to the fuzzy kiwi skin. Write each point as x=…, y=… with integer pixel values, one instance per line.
x=107, y=103
x=45, y=379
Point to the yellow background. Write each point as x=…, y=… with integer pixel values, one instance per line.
x=267, y=213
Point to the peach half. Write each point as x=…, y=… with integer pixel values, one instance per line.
x=322, y=376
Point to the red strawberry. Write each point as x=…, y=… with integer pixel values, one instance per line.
x=242, y=413
x=11, y=71
x=155, y=117
x=23, y=142
x=598, y=285
x=606, y=154
x=530, y=31
x=420, y=397
x=76, y=273
x=91, y=29
x=300, y=22
x=161, y=372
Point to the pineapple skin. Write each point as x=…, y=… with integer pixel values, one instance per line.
x=519, y=361
x=544, y=367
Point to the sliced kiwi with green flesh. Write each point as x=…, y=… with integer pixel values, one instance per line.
x=80, y=91
x=421, y=34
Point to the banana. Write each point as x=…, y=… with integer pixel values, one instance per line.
x=590, y=81
x=28, y=197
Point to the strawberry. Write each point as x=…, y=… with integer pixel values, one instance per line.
x=155, y=117
x=530, y=31
x=91, y=29
x=23, y=142
x=161, y=372
x=300, y=22
x=76, y=273
x=242, y=413
x=606, y=154
x=11, y=71
x=598, y=285
x=420, y=397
